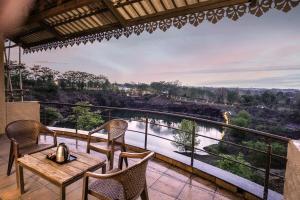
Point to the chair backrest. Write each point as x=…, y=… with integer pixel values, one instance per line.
x=25, y=130
x=115, y=128
x=133, y=178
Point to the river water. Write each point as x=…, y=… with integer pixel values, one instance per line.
x=159, y=144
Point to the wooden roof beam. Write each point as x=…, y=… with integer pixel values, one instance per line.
x=98, y=11
x=51, y=30
x=126, y=3
x=107, y=27
x=203, y=6
x=61, y=8
x=115, y=12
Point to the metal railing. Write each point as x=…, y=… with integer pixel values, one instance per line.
x=147, y=113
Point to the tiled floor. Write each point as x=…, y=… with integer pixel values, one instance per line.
x=165, y=182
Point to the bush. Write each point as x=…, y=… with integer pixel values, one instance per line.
x=243, y=119
x=259, y=159
x=235, y=168
x=85, y=119
x=184, y=135
x=51, y=115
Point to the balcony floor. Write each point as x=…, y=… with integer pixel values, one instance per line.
x=165, y=182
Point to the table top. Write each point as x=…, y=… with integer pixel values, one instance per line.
x=60, y=173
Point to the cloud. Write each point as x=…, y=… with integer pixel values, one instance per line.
x=50, y=62
x=209, y=70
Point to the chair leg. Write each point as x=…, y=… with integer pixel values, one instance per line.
x=125, y=159
x=111, y=160
x=108, y=159
x=144, y=195
x=85, y=188
x=10, y=160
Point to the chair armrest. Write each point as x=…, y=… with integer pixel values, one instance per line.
x=92, y=132
x=134, y=155
x=115, y=138
x=101, y=176
x=98, y=129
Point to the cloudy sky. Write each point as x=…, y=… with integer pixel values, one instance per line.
x=252, y=52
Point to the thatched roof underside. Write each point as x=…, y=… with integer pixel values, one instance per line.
x=61, y=23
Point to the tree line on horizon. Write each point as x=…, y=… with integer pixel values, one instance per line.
x=47, y=79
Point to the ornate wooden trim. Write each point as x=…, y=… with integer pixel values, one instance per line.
x=215, y=15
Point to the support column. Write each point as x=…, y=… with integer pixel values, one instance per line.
x=292, y=172
x=2, y=88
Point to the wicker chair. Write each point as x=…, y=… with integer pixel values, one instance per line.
x=128, y=184
x=116, y=129
x=24, y=137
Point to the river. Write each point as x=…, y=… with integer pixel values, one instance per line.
x=155, y=143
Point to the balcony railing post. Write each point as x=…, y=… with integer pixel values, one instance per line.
x=45, y=119
x=146, y=132
x=76, y=123
x=76, y=128
x=109, y=115
x=193, y=143
x=267, y=173
x=45, y=116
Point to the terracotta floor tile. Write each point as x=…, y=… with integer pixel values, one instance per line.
x=168, y=185
x=7, y=180
x=32, y=185
x=77, y=195
x=75, y=186
x=178, y=174
x=3, y=168
x=38, y=179
x=202, y=183
x=152, y=177
x=154, y=194
x=158, y=166
x=53, y=188
x=9, y=193
x=194, y=193
x=222, y=194
x=43, y=193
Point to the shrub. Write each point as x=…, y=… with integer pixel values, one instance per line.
x=51, y=115
x=235, y=168
x=243, y=119
x=259, y=159
x=184, y=135
x=84, y=117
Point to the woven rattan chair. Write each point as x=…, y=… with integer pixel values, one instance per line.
x=127, y=184
x=24, y=137
x=116, y=129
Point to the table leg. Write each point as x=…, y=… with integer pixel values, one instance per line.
x=104, y=169
x=62, y=192
x=20, y=177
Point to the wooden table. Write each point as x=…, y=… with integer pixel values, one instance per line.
x=60, y=175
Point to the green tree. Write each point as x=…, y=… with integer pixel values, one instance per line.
x=269, y=98
x=84, y=117
x=234, y=167
x=184, y=135
x=259, y=159
x=51, y=115
x=242, y=119
x=232, y=96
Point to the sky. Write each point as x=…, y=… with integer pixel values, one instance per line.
x=252, y=52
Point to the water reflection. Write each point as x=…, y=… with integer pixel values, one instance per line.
x=166, y=131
